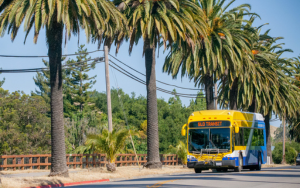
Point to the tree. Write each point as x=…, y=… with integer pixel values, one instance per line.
x=199, y=103
x=181, y=151
x=78, y=81
x=264, y=84
x=295, y=121
x=42, y=81
x=95, y=16
x=164, y=21
x=2, y=82
x=217, y=53
x=291, y=149
x=109, y=143
x=24, y=125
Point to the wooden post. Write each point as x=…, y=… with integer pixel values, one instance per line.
x=87, y=161
x=168, y=159
x=68, y=160
x=283, y=143
x=81, y=166
x=130, y=159
x=46, y=161
x=94, y=160
x=74, y=162
x=5, y=163
x=177, y=160
x=14, y=162
x=135, y=161
x=22, y=162
x=125, y=159
x=99, y=160
x=38, y=163
x=109, y=115
x=121, y=164
x=30, y=162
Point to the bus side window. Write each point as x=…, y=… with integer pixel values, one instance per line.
x=239, y=138
x=233, y=139
x=258, y=137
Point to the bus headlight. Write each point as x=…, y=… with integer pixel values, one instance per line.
x=191, y=158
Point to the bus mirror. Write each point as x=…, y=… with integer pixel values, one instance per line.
x=236, y=129
x=183, y=131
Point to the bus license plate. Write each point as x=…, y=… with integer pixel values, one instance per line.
x=219, y=164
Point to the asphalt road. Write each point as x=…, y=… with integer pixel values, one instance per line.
x=266, y=178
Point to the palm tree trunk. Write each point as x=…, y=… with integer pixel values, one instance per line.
x=268, y=136
x=252, y=107
x=233, y=95
x=209, y=92
x=153, y=160
x=58, y=150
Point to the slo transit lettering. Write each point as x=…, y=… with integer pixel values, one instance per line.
x=210, y=124
x=202, y=124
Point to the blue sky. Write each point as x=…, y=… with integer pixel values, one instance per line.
x=282, y=17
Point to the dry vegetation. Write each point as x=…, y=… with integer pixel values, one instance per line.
x=274, y=165
x=87, y=175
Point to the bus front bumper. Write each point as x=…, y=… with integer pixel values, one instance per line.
x=212, y=164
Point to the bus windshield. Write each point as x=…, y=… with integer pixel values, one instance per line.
x=215, y=138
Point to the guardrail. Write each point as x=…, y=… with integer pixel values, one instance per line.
x=43, y=161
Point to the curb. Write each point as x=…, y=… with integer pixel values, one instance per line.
x=69, y=184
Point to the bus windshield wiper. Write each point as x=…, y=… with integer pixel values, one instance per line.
x=197, y=151
x=212, y=143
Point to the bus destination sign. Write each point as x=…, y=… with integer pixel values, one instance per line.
x=209, y=124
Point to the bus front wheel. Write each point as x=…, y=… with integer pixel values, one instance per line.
x=198, y=170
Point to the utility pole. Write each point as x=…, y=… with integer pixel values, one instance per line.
x=283, y=143
x=216, y=96
x=109, y=115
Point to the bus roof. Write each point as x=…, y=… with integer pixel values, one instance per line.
x=226, y=114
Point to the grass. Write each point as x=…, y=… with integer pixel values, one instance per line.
x=91, y=174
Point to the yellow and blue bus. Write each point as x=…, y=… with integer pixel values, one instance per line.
x=225, y=139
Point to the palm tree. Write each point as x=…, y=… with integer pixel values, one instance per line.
x=110, y=143
x=295, y=121
x=95, y=16
x=264, y=84
x=155, y=21
x=181, y=151
x=216, y=54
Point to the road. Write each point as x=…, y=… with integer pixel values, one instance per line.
x=286, y=177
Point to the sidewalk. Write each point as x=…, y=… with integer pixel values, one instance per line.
x=32, y=179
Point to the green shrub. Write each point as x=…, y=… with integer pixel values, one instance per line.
x=180, y=150
x=291, y=151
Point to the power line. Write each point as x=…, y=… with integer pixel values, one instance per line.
x=128, y=73
x=158, y=88
x=156, y=80
x=66, y=66
x=34, y=56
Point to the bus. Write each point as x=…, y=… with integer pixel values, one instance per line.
x=225, y=139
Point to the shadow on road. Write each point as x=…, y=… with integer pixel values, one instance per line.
x=219, y=176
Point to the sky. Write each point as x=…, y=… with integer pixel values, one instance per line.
x=281, y=16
